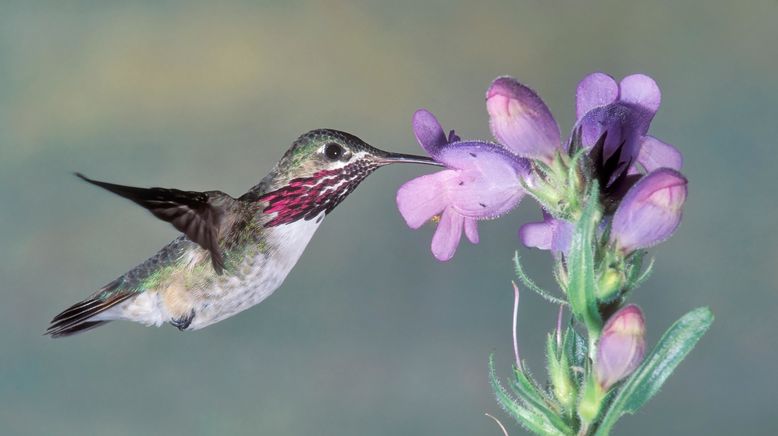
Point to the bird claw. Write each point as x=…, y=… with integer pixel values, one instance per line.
x=183, y=322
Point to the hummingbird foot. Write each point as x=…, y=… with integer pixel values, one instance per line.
x=183, y=322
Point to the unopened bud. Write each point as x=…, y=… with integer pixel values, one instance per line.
x=610, y=284
x=622, y=346
x=650, y=211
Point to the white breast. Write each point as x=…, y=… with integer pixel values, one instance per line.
x=258, y=276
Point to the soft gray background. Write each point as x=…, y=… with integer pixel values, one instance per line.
x=369, y=335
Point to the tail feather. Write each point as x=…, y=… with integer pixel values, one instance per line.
x=78, y=317
x=78, y=328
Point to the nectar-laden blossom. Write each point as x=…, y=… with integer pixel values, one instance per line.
x=482, y=181
x=622, y=346
x=650, y=212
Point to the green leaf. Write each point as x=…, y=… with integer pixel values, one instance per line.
x=674, y=345
x=531, y=284
x=580, y=267
x=525, y=412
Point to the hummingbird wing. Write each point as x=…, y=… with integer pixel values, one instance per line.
x=198, y=215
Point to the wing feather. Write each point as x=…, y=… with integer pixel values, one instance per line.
x=198, y=215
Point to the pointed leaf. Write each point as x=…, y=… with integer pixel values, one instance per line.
x=674, y=345
x=529, y=283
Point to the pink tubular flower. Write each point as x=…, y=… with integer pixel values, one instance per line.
x=622, y=346
x=482, y=181
x=650, y=212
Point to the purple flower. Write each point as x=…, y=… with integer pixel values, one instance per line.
x=550, y=234
x=483, y=181
x=623, y=112
x=650, y=212
x=622, y=346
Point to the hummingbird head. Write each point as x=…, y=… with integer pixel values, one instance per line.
x=320, y=169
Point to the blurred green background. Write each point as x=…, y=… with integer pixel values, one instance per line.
x=369, y=334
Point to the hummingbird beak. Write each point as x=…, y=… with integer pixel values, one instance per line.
x=390, y=158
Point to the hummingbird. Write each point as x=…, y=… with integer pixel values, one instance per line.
x=233, y=252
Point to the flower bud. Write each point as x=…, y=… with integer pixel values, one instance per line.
x=521, y=121
x=610, y=284
x=622, y=346
x=562, y=381
x=650, y=212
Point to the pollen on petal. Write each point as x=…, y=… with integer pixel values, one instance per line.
x=447, y=235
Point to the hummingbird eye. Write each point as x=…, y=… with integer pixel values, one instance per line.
x=333, y=151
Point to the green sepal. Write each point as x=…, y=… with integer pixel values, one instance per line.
x=529, y=283
x=591, y=400
x=636, y=278
x=577, y=178
x=580, y=268
x=645, y=382
x=575, y=347
x=560, y=274
x=544, y=169
x=525, y=411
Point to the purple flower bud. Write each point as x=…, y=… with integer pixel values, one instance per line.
x=650, y=211
x=622, y=346
x=520, y=120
